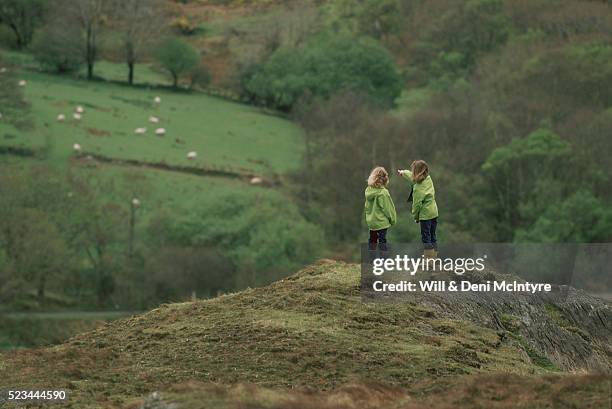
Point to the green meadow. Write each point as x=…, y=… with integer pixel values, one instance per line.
x=224, y=134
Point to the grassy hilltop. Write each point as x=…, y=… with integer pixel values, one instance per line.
x=312, y=332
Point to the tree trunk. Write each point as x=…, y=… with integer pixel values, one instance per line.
x=90, y=51
x=174, y=80
x=19, y=41
x=130, y=59
x=131, y=72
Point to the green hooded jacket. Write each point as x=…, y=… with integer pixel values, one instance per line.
x=379, y=208
x=424, y=205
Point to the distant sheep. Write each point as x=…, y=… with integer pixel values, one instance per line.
x=160, y=131
x=76, y=116
x=22, y=83
x=157, y=100
x=61, y=117
x=2, y=70
x=192, y=155
x=140, y=130
x=135, y=202
x=153, y=119
x=76, y=147
x=79, y=109
x=256, y=180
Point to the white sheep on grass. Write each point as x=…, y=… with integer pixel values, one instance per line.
x=192, y=155
x=256, y=180
x=157, y=100
x=77, y=148
x=140, y=130
x=160, y=131
x=79, y=109
x=61, y=117
x=22, y=83
x=153, y=119
x=76, y=116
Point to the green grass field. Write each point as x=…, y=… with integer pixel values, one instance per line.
x=158, y=190
x=224, y=134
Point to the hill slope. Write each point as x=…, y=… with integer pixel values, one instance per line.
x=310, y=330
x=225, y=135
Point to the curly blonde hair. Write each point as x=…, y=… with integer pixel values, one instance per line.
x=378, y=177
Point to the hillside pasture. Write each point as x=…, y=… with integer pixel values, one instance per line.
x=224, y=134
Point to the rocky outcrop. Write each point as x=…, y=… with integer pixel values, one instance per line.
x=565, y=328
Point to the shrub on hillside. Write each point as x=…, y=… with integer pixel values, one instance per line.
x=58, y=48
x=263, y=235
x=183, y=25
x=199, y=77
x=579, y=218
x=177, y=57
x=323, y=67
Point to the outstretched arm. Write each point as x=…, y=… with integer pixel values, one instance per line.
x=406, y=174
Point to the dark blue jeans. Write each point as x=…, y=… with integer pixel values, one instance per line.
x=380, y=237
x=428, y=233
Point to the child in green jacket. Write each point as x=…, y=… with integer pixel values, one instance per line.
x=424, y=207
x=379, y=208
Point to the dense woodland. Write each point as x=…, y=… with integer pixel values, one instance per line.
x=510, y=102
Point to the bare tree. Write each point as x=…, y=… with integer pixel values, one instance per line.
x=89, y=16
x=22, y=17
x=141, y=23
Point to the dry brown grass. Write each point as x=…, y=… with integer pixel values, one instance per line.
x=494, y=391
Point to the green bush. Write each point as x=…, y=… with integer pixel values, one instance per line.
x=177, y=57
x=263, y=235
x=323, y=67
x=579, y=218
x=58, y=49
